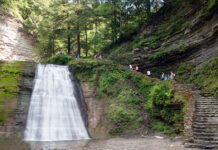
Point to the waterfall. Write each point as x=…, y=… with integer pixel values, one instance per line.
x=54, y=113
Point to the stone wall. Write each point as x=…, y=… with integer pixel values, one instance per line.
x=190, y=94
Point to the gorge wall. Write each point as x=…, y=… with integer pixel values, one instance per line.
x=15, y=45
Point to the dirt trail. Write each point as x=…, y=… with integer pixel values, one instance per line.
x=147, y=143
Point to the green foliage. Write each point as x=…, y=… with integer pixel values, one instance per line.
x=166, y=105
x=10, y=76
x=127, y=93
x=164, y=31
x=85, y=28
x=206, y=78
x=60, y=59
x=161, y=127
x=106, y=82
x=183, y=72
x=121, y=118
x=212, y=4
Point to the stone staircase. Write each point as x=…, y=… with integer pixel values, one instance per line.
x=205, y=124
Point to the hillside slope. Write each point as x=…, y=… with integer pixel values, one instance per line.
x=182, y=37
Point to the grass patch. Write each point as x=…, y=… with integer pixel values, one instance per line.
x=206, y=78
x=183, y=72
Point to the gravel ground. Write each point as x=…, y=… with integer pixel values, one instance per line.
x=146, y=143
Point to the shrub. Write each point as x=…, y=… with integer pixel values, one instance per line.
x=60, y=59
x=183, y=72
x=164, y=104
x=121, y=118
x=206, y=78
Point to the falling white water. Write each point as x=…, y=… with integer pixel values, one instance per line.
x=54, y=113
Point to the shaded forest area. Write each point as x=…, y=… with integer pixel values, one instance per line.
x=82, y=27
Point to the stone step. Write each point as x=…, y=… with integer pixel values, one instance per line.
x=207, y=99
x=207, y=118
x=205, y=124
x=206, y=138
x=206, y=130
x=196, y=145
x=202, y=122
x=206, y=142
x=203, y=133
x=207, y=110
x=211, y=106
x=207, y=103
x=201, y=97
x=206, y=115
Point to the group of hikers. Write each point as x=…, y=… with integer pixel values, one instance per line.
x=136, y=68
x=170, y=76
x=98, y=56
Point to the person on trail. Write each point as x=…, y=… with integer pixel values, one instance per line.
x=172, y=75
x=77, y=56
x=162, y=76
x=165, y=77
x=137, y=68
x=148, y=73
x=168, y=77
x=130, y=67
x=100, y=56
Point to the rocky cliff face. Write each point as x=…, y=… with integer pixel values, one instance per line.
x=14, y=43
x=25, y=92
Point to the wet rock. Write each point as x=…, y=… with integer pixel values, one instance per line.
x=26, y=88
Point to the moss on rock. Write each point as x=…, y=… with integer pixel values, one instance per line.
x=10, y=77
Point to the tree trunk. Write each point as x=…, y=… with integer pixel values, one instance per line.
x=78, y=40
x=69, y=44
x=148, y=9
x=68, y=39
x=114, y=24
x=86, y=40
x=53, y=42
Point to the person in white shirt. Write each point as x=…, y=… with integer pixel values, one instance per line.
x=148, y=73
x=172, y=75
x=130, y=67
x=137, y=68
